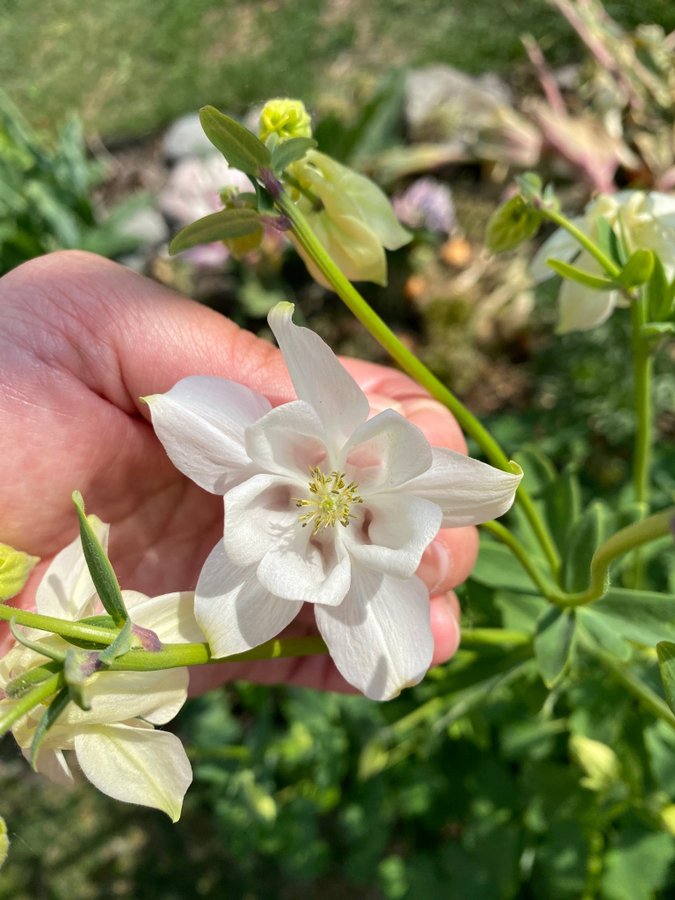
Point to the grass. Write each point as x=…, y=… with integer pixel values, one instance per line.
x=130, y=66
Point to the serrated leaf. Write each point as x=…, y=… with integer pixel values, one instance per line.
x=665, y=650
x=562, y=501
x=242, y=149
x=553, y=643
x=100, y=569
x=218, y=226
x=585, y=536
x=51, y=714
x=290, y=151
x=573, y=273
x=638, y=269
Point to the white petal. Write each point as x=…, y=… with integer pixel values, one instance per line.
x=53, y=765
x=561, y=245
x=201, y=423
x=117, y=696
x=380, y=637
x=395, y=532
x=66, y=590
x=384, y=452
x=581, y=308
x=258, y=514
x=289, y=440
x=318, y=377
x=233, y=609
x=170, y=616
x=468, y=491
x=136, y=765
x=662, y=207
x=303, y=567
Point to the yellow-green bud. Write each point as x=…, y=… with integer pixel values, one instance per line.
x=286, y=118
x=4, y=842
x=668, y=817
x=15, y=567
x=599, y=762
x=510, y=224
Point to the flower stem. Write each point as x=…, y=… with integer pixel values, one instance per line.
x=412, y=365
x=524, y=558
x=494, y=637
x=75, y=630
x=21, y=707
x=582, y=239
x=642, y=377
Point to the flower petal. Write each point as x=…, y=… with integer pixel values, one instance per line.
x=66, y=590
x=468, y=491
x=234, y=610
x=258, y=514
x=384, y=452
x=289, y=440
x=581, y=308
x=170, y=616
x=380, y=636
x=136, y=765
x=201, y=423
x=318, y=377
x=396, y=530
x=560, y=245
x=306, y=567
x=53, y=765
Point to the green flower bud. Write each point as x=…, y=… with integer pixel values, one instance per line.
x=510, y=224
x=285, y=118
x=598, y=761
x=668, y=817
x=4, y=842
x=15, y=567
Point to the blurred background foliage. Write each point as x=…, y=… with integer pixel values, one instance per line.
x=480, y=783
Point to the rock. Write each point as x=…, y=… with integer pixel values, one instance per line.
x=185, y=137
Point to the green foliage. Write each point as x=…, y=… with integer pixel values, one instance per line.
x=45, y=194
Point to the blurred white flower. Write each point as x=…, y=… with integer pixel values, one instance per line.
x=647, y=220
x=324, y=506
x=115, y=743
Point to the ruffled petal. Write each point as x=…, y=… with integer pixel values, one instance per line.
x=468, y=491
x=136, y=765
x=235, y=612
x=393, y=533
x=581, y=308
x=315, y=569
x=384, y=452
x=258, y=514
x=318, y=377
x=380, y=637
x=201, y=423
x=66, y=590
x=289, y=440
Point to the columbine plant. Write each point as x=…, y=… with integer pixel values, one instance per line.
x=327, y=505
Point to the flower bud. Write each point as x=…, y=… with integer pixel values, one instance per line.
x=668, y=817
x=598, y=761
x=15, y=567
x=510, y=224
x=285, y=118
x=4, y=842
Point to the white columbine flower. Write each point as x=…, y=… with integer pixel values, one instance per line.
x=322, y=506
x=648, y=221
x=115, y=743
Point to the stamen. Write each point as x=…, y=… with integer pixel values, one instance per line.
x=331, y=501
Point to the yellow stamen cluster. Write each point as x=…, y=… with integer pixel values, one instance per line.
x=331, y=500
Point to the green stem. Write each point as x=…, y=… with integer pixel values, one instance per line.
x=642, y=378
x=412, y=365
x=75, y=630
x=21, y=707
x=582, y=239
x=494, y=637
x=524, y=558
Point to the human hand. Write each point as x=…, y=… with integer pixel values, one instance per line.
x=82, y=340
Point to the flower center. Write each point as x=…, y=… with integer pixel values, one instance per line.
x=331, y=500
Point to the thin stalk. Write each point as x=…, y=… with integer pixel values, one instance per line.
x=523, y=556
x=29, y=701
x=412, y=365
x=582, y=239
x=494, y=637
x=76, y=630
x=642, y=379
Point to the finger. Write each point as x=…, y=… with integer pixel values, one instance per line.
x=445, y=627
x=449, y=559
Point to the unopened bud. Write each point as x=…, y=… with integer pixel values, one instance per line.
x=510, y=224
x=598, y=761
x=286, y=118
x=15, y=567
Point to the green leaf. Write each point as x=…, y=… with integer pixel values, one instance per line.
x=665, y=650
x=242, y=149
x=585, y=535
x=102, y=574
x=637, y=270
x=553, y=643
x=218, y=226
x=657, y=329
x=659, y=300
x=563, y=505
x=643, y=616
x=602, y=632
x=51, y=714
x=290, y=151
x=120, y=646
x=637, y=864
x=538, y=470
x=567, y=270
x=498, y=568
x=609, y=242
